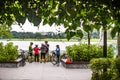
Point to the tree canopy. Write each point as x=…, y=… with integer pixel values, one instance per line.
x=5, y=30
x=94, y=14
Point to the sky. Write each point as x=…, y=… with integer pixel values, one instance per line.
x=29, y=27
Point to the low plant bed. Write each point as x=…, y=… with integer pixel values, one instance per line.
x=75, y=65
x=12, y=64
x=85, y=52
x=9, y=56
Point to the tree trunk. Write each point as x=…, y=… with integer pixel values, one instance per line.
x=105, y=44
x=88, y=38
x=105, y=47
x=118, y=44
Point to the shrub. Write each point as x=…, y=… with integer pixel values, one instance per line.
x=85, y=52
x=112, y=65
x=9, y=52
x=98, y=65
x=116, y=68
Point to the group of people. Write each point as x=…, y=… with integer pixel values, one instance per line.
x=42, y=51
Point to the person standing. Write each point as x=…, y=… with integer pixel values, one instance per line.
x=47, y=50
x=36, y=52
x=58, y=54
x=30, y=52
x=43, y=53
x=47, y=46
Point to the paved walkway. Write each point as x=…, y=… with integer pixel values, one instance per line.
x=44, y=71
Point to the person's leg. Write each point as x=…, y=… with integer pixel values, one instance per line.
x=35, y=57
x=32, y=57
x=28, y=57
x=58, y=59
x=38, y=58
x=30, y=60
x=41, y=57
x=44, y=57
x=47, y=56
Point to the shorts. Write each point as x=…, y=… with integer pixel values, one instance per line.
x=30, y=54
x=47, y=52
x=43, y=55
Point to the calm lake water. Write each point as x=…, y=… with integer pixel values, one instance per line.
x=25, y=44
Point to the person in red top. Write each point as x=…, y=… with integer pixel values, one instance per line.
x=36, y=52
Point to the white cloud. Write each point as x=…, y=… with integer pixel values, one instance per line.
x=29, y=27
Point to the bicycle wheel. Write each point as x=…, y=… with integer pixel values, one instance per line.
x=54, y=59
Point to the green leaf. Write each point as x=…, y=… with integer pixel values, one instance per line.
x=21, y=19
x=86, y=28
x=70, y=34
x=51, y=2
x=79, y=33
x=45, y=21
x=66, y=24
x=36, y=21
x=114, y=31
x=97, y=27
x=51, y=21
x=5, y=31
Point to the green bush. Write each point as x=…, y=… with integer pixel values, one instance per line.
x=111, y=65
x=9, y=52
x=85, y=52
x=98, y=65
x=116, y=68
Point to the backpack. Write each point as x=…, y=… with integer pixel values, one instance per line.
x=43, y=49
x=68, y=61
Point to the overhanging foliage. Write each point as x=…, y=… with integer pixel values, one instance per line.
x=94, y=13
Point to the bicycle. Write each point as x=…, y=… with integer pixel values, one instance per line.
x=22, y=55
x=54, y=58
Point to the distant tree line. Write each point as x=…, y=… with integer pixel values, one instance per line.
x=37, y=35
x=52, y=35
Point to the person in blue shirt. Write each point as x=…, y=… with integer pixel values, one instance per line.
x=58, y=54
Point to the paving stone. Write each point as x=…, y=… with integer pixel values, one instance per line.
x=44, y=71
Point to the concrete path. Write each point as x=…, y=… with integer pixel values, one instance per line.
x=44, y=71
